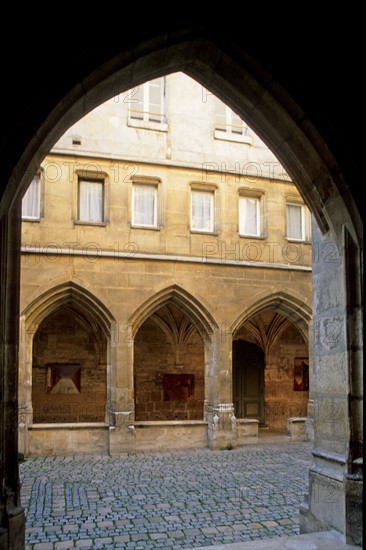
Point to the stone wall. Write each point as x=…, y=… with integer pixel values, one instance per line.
x=68, y=372
x=165, y=390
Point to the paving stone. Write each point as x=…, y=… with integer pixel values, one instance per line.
x=270, y=523
x=102, y=524
x=175, y=534
x=138, y=536
x=285, y=521
x=157, y=536
x=103, y=541
x=255, y=526
x=84, y=543
x=227, y=529
x=121, y=539
x=209, y=530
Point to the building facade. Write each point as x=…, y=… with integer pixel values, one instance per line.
x=165, y=281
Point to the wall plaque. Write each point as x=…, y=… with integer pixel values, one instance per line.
x=63, y=378
x=178, y=386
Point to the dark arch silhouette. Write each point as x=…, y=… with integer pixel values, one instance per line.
x=305, y=107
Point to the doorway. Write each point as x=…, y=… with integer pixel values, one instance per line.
x=248, y=380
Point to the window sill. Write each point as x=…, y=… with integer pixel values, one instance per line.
x=144, y=125
x=148, y=227
x=37, y=220
x=92, y=224
x=303, y=241
x=255, y=237
x=238, y=138
x=203, y=232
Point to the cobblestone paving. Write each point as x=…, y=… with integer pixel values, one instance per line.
x=164, y=500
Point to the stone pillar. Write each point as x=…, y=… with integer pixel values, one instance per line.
x=12, y=519
x=335, y=477
x=309, y=423
x=25, y=386
x=222, y=429
x=121, y=405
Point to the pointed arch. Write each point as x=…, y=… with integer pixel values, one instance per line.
x=69, y=295
x=244, y=85
x=291, y=307
x=198, y=314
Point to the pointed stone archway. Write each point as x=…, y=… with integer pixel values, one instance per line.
x=311, y=160
x=285, y=355
x=65, y=327
x=201, y=322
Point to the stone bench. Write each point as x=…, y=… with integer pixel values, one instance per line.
x=247, y=430
x=296, y=428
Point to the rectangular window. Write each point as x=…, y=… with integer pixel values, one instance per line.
x=249, y=216
x=148, y=101
x=91, y=200
x=202, y=211
x=145, y=205
x=31, y=203
x=228, y=121
x=298, y=222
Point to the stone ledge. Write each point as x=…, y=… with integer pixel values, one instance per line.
x=296, y=428
x=68, y=426
x=167, y=423
x=247, y=429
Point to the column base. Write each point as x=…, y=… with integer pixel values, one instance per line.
x=354, y=509
x=222, y=428
x=13, y=537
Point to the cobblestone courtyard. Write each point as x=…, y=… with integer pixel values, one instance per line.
x=170, y=499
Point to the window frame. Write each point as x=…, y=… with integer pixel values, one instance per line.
x=208, y=191
x=305, y=219
x=91, y=175
x=262, y=221
x=243, y=196
x=144, y=121
x=227, y=132
x=37, y=177
x=83, y=180
x=140, y=183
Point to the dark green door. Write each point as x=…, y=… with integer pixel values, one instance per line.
x=248, y=380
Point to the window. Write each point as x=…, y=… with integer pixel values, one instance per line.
x=147, y=101
x=298, y=222
x=228, y=121
x=202, y=210
x=31, y=203
x=91, y=200
x=144, y=205
x=249, y=216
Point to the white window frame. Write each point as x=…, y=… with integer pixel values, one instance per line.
x=211, y=194
x=145, y=115
x=242, y=232
x=142, y=185
x=228, y=124
x=36, y=182
x=305, y=221
x=91, y=180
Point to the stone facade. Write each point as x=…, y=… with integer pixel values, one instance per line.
x=142, y=317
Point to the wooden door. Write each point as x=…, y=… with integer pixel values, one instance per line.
x=248, y=380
